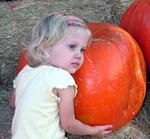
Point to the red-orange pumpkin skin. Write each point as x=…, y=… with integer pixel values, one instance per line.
x=136, y=20
x=22, y=60
x=111, y=82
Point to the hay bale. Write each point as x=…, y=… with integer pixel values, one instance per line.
x=118, y=8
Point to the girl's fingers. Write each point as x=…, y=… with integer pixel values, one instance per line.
x=106, y=132
x=103, y=130
x=103, y=133
x=105, y=127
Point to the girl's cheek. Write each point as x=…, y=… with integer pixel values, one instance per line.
x=82, y=62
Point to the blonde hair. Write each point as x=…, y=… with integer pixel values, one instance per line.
x=52, y=28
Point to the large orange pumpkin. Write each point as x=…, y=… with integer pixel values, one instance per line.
x=111, y=82
x=136, y=20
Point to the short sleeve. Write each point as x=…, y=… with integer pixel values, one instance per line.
x=62, y=79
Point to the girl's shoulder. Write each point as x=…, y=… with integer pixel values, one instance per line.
x=60, y=77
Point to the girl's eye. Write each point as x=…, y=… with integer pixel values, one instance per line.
x=72, y=46
x=83, y=50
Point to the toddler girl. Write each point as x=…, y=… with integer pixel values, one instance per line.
x=44, y=89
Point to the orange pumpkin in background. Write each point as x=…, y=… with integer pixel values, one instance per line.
x=111, y=82
x=136, y=21
x=22, y=60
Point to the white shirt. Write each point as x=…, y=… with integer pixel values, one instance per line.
x=36, y=114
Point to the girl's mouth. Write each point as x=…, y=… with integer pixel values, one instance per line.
x=75, y=65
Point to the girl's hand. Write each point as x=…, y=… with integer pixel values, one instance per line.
x=102, y=130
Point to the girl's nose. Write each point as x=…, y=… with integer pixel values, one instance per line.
x=79, y=55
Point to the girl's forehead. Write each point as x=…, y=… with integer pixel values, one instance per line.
x=72, y=30
x=78, y=35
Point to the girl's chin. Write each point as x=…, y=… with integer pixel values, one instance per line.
x=72, y=71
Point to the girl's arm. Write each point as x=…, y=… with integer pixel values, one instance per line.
x=67, y=116
x=11, y=99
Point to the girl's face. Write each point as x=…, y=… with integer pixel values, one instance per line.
x=69, y=52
